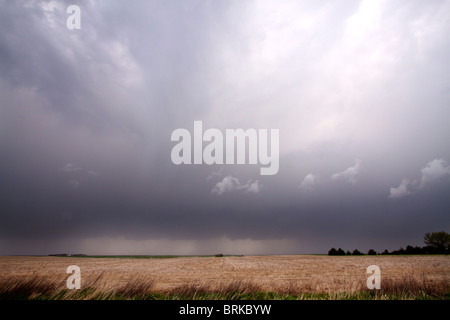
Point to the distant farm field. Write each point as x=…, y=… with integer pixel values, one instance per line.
x=246, y=277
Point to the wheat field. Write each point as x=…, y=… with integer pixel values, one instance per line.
x=292, y=275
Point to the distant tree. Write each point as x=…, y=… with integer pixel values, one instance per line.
x=356, y=252
x=372, y=252
x=431, y=250
x=332, y=252
x=409, y=250
x=438, y=240
x=419, y=250
x=348, y=253
x=385, y=252
x=414, y=250
x=340, y=252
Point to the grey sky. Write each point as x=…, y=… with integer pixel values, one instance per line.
x=360, y=91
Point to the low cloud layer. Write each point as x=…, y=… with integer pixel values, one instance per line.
x=230, y=184
x=434, y=171
x=309, y=182
x=350, y=174
x=400, y=191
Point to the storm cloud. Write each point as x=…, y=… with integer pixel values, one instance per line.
x=359, y=90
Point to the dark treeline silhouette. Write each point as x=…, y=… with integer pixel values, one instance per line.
x=436, y=243
x=340, y=252
x=67, y=255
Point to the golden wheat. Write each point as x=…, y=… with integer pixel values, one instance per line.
x=193, y=276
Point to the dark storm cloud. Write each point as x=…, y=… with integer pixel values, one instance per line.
x=359, y=92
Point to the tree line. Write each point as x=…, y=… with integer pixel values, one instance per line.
x=435, y=243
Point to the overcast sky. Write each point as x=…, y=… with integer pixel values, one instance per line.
x=359, y=90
